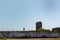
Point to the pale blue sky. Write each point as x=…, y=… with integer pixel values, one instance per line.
x=16, y=14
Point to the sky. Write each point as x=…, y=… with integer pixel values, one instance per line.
x=18, y=14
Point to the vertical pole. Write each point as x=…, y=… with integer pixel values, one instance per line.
x=36, y=34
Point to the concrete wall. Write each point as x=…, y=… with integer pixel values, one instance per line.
x=30, y=34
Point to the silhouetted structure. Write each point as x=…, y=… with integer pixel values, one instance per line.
x=38, y=25
x=39, y=33
x=23, y=29
x=56, y=29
